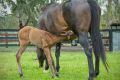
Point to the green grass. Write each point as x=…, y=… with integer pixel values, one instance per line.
x=73, y=67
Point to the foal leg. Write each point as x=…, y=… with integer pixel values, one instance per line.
x=57, y=55
x=50, y=61
x=18, y=56
x=83, y=40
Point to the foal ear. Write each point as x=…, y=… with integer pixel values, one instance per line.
x=20, y=24
x=27, y=21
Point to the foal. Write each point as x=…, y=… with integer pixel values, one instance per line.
x=42, y=39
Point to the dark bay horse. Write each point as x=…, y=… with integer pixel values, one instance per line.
x=82, y=17
x=45, y=40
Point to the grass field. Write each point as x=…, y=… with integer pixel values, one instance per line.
x=73, y=67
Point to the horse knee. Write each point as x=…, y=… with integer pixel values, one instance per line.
x=88, y=52
x=57, y=55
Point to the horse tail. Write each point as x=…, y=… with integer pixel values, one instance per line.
x=94, y=31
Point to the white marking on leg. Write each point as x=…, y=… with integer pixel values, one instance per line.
x=20, y=69
x=45, y=71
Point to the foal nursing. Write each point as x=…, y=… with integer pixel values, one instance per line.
x=42, y=39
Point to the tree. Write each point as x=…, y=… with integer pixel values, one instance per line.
x=30, y=10
x=26, y=9
x=110, y=12
x=3, y=13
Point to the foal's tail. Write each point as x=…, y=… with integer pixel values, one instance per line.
x=97, y=43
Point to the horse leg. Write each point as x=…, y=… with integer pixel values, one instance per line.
x=53, y=65
x=57, y=55
x=18, y=56
x=50, y=61
x=97, y=61
x=40, y=56
x=83, y=40
x=46, y=64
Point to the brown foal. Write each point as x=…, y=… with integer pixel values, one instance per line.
x=42, y=39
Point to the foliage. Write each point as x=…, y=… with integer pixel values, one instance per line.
x=27, y=9
x=110, y=11
x=31, y=9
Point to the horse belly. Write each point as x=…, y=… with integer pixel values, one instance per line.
x=60, y=23
x=56, y=22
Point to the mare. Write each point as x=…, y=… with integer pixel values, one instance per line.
x=82, y=17
x=44, y=40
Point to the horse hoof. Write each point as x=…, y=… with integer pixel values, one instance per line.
x=21, y=75
x=57, y=68
x=46, y=67
x=40, y=65
x=22, y=78
x=91, y=78
x=57, y=74
x=96, y=74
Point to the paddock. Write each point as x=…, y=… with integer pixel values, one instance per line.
x=72, y=67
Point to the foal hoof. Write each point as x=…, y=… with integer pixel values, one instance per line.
x=45, y=71
x=53, y=76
